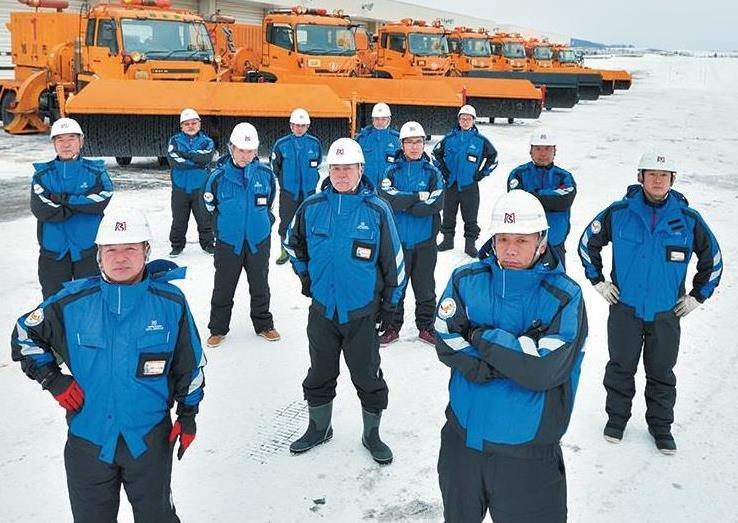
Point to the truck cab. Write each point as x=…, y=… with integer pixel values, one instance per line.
x=412, y=48
x=540, y=54
x=508, y=51
x=470, y=50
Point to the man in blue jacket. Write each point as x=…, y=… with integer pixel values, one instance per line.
x=296, y=158
x=68, y=197
x=380, y=144
x=512, y=327
x=239, y=194
x=553, y=186
x=132, y=349
x=465, y=157
x=414, y=189
x=343, y=245
x=190, y=153
x=653, y=233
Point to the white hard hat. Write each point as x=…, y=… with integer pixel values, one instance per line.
x=123, y=225
x=244, y=136
x=381, y=110
x=542, y=136
x=467, y=109
x=188, y=114
x=65, y=126
x=411, y=130
x=518, y=212
x=345, y=151
x=657, y=161
x=300, y=116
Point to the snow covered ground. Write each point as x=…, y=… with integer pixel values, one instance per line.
x=239, y=468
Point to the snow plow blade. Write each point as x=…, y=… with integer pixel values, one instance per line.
x=499, y=98
x=562, y=89
x=433, y=104
x=136, y=118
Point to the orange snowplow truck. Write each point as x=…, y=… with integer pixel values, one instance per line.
x=313, y=46
x=564, y=57
x=125, y=71
x=415, y=49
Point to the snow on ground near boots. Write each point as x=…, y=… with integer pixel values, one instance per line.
x=239, y=468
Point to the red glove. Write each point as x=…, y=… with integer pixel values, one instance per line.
x=65, y=390
x=184, y=429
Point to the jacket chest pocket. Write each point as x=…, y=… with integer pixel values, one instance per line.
x=319, y=235
x=153, y=356
x=472, y=155
x=261, y=200
x=631, y=234
x=364, y=244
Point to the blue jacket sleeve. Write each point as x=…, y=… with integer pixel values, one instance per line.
x=709, y=261
x=597, y=234
x=36, y=337
x=489, y=163
x=438, y=157
x=43, y=206
x=97, y=198
x=295, y=243
x=398, y=200
x=452, y=326
x=560, y=198
x=179, y=159
x=434, y=203
x=210, y=193
x=541, y=364
x=188, y=363
x=391, y=258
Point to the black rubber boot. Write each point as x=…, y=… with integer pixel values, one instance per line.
x=283, y=257
x=370, y=439
x=470, y=249
x=319, y=429
x=664, y=441
x=447, y=244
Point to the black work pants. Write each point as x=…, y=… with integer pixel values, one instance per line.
x=52, y=273
x=420, y=267
x=94, y=486
x=228, y=266
x=659, y=340
x=182, y=204
x=360, y=345
x=515, y=489
x=468, y=200
x=287, y=208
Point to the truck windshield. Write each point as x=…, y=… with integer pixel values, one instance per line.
x=567, y=56
x=167, y=40
x=476, y=47
x=427, y=44
x=542, y=53
x=325, y=40
x=513, y=50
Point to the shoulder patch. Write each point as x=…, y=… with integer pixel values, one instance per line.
x=38, y=188
x=513, y=183
x=35, y=318
x=447, y=308
x=208, y=197
x=386, y=183
x=596, y=227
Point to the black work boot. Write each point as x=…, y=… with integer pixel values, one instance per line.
x=470, y=249
x=319, y=429
x=370, y=439
x=664, y=441
x=447, y=244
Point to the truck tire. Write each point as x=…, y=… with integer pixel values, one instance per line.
x=5, y=103
x=123, y=161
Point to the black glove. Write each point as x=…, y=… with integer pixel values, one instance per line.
x=478, y=176
x=536, y=330
x=305, y=282
x=474, y=334
x=59, y=198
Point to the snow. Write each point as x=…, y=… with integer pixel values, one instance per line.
x=239, y=468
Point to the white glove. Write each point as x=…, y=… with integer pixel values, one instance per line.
x=609, y=291
x=685, y=305
x=423, y=195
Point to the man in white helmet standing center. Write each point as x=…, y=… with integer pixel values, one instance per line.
x=380, y=144
x=512, y=328
x=132, y=349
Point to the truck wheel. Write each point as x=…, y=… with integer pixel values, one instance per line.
x=123, y=161
x=163, y=161
x=7, y=101
x=510, y=120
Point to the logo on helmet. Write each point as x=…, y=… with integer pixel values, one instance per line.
x=661, y=159
x=247, y=138
x=509, y=217
x=120, y=227
x=339, y=151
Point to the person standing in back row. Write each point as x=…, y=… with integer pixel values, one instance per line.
x=380, y=144
x=296, y=158
x=464, y=156
x=68, y=197
x=653, y=232
x=553, y=186
x=190, y=152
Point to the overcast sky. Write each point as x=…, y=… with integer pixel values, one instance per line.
x=666, y=24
